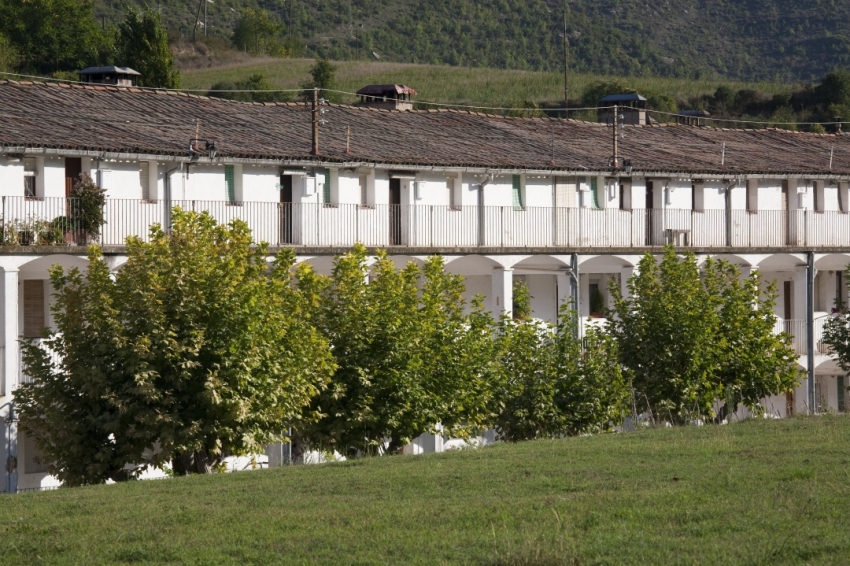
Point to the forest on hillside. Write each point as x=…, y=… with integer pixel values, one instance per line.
x=777, y=40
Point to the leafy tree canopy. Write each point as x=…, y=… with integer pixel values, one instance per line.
x=197, y=349
x=689, y=336
x=54, y=35
x=408, y=357
x=549, y=386
x=143, y=45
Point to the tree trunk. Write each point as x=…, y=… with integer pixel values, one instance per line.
x=198, y=462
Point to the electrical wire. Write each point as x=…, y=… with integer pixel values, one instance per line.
x=730, y=120
x=448, y=104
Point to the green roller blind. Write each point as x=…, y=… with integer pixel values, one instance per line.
x=323, y=177
x=517, y=190
x=230, y=183
x=594, y=193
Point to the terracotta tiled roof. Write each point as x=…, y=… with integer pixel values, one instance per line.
x=110, y=119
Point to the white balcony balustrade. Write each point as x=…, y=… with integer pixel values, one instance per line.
x=55, y=221
x=797, y=329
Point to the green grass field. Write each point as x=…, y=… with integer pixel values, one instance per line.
x=456, y=85
x=758, y=492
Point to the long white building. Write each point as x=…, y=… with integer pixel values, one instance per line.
x=503, y=199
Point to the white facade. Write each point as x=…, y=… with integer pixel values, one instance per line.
x=492, y=227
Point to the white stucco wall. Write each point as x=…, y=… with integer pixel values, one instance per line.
x=544, y=296
x=260, y=184
x=120, y=179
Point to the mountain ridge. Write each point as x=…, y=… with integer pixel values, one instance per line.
x=778, y=40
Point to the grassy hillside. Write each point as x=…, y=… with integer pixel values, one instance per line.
x=456, y=85
x=759, y=492
x=783, y=40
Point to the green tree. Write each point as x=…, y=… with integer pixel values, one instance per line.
x=196, y=350
x=54, y=35
x=322, y=77
x=259, y=33
x=689, y=336
x=143, y=45
x=756, y=361
x=548, y=385
x=9, y=56
x=255, y=88
x=407, y=356
x=667, y=336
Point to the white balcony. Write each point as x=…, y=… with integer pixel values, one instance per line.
x=26, y=222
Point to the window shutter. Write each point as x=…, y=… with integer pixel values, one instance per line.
x=842, y=393
x=33, y=307
x=517, y=190
x=144, y=179
x=326, y=186
x=594, y=193
x=230, y=183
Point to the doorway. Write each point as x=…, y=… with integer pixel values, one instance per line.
x=395, y=212
x=73, y=169
x=286, y=209
x=650, y=205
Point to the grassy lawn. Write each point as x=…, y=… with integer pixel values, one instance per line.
x=758, y=492
x=458, y=85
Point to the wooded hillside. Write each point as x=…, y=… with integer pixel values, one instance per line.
x=784, y=40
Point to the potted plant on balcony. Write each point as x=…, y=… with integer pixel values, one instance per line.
x=65, y=229
x=597, y=302
x=86, y=208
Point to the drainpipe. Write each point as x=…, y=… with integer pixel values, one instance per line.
x=11, y=451
x=810, y=328
x=481, y=213
x=167, y=196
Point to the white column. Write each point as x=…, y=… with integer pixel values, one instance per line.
x=10, y=329
x=502, y=297
x=563, y=290
x=626, y=273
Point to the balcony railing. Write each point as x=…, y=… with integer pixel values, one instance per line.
x=797, y=329
x=52, y=221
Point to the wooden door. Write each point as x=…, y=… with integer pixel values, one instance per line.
x=73, y=168
x=395, y=212
x=286, y=209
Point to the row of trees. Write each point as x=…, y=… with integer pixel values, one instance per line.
x=61, y=37
x=201, y=347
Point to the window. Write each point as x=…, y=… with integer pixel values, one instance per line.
x=30, y=171
x=33, y=307
x=818, y=189
x=230, y=183
x=144, y=179
x=698, y=196
x=626, y=195
x=364, y=192
x=594, y=193
x=517, y=191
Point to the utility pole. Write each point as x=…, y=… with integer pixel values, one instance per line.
x=566, y=66
x=615, y=162
x=315, y=114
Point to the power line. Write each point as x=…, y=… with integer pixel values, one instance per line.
x=441, y=104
